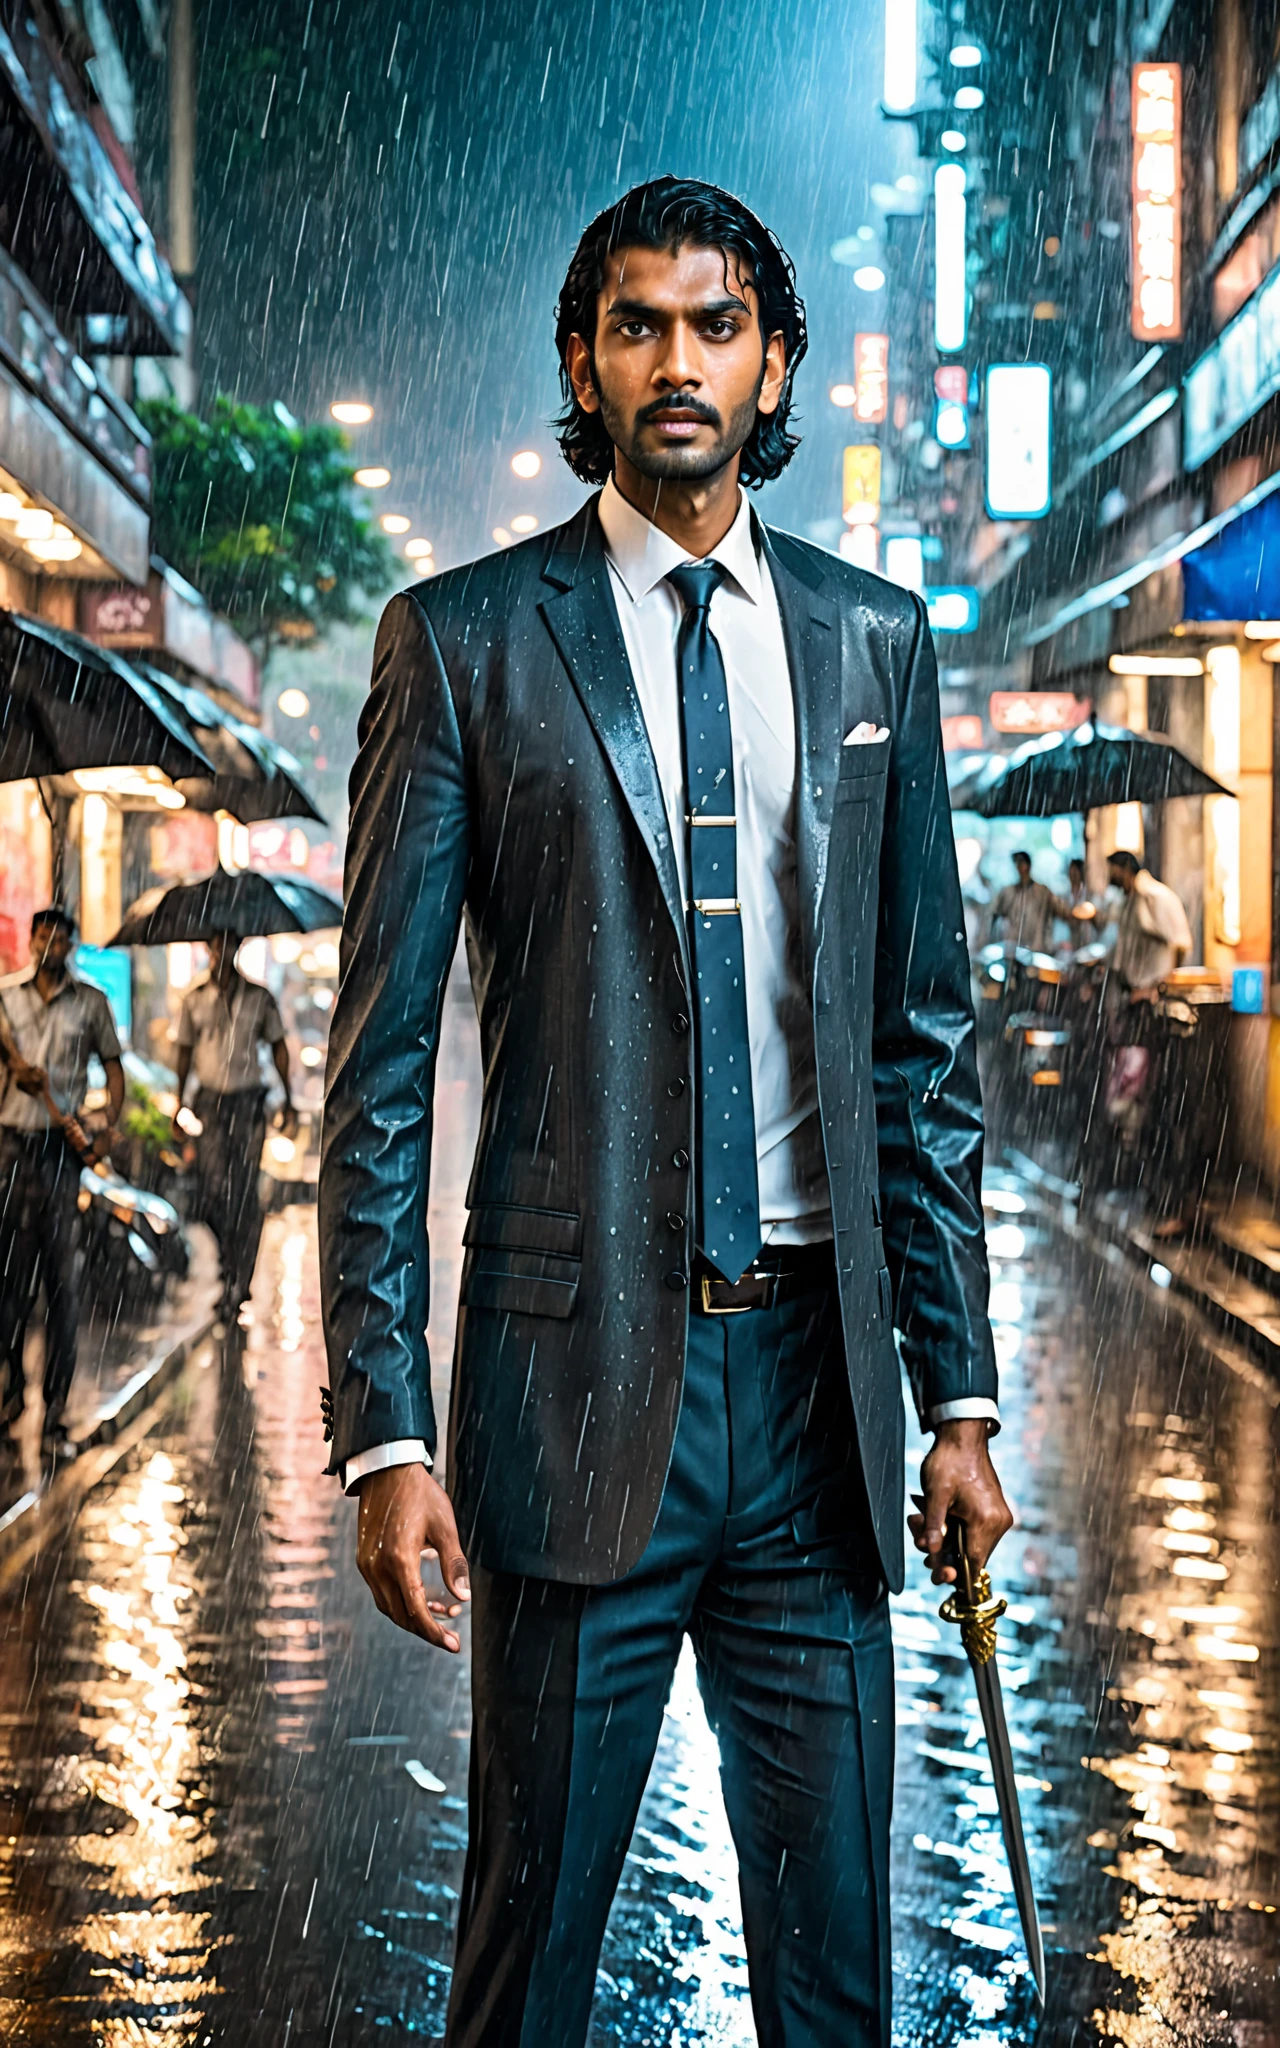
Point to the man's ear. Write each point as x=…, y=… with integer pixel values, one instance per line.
x=577, y=363
x=775, y=374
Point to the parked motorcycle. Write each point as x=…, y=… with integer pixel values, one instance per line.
x=134, y=1242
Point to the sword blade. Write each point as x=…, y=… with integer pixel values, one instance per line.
x=986, y=1678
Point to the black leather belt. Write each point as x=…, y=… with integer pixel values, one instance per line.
x=774, y=1277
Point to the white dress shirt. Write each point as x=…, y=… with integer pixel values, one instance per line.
x=223, y=1028
x=795, y=1198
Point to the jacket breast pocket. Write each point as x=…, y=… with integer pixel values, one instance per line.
x=861, y=768
x=522, y=1261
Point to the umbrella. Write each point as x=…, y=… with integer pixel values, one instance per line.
x=1077, y=771
x=254, y=777
x=249, y=904
x=66, y=704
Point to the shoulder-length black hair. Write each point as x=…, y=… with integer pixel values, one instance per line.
x=667, y=213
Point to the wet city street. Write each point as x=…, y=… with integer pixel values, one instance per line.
x=234, y=1798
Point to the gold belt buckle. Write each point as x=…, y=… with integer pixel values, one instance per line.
x=743, y=1309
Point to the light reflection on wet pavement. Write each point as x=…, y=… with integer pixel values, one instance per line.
x=208, y=1833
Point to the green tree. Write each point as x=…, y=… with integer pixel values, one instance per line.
x=258, y=513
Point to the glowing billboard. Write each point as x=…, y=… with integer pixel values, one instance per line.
x=1019, y=483
x=1157, y=202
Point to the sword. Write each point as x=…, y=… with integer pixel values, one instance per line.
x=973, y=1607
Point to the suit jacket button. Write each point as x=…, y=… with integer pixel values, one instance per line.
x=677, y=1086
x=680, y=1024
x=674, y=1222
x=677, y=1282
x=680, y=1160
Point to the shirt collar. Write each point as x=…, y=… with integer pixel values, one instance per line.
x=26, y=976
x=643, y=555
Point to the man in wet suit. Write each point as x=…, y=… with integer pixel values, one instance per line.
x=683, y=776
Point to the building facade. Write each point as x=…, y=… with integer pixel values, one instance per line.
x=1118, y=171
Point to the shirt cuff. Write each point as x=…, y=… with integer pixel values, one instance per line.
x=973, y=1409
x=407, y=1450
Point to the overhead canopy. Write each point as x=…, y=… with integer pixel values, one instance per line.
x=1236, y=575
x=66, y=704
x=66, y=215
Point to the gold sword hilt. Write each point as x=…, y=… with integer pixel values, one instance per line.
x=971, y=1604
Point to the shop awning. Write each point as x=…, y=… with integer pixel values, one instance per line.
x=1175, y=549
x=1236, y=576
x=72, y=224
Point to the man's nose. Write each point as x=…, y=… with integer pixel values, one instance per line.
x=677, y=368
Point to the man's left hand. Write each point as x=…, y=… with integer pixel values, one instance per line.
x=959, y=1479
x=289, y=1120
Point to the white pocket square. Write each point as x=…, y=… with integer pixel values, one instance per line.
x=866, y=734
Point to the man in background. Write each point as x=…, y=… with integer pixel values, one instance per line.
x=224, y=1021
x=1027, y=910
x=1152, y=933
x=51, y=1025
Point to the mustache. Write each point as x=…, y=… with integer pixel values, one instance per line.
x=679, y=401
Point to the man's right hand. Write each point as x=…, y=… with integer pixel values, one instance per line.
x=30, y=1079
x=405, y=1513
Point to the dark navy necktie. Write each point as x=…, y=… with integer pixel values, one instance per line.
x=728, y=1196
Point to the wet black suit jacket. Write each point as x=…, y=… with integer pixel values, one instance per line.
x=505, y=774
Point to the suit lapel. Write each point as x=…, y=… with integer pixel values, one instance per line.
x=811, y=630
x=583, y=622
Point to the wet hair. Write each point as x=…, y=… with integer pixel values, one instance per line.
x=1021, y=854
x=1123, y=859
x=54, y=916
x=1075, y=862
x=670, y=213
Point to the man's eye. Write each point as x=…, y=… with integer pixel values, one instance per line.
x=633, y=329
x=721, y=330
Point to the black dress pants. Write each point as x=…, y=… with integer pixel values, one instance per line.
x=228, y=1156
x=762, y=1553
x=39, y=1240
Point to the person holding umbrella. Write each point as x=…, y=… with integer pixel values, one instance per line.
x=222, y=1025
x=50, y=1026
x=224, y=1020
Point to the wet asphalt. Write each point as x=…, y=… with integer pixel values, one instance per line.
x=219, y=1767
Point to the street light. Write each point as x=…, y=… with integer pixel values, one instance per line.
x=373, y=479
x=953, y=140
x=525, y=522
x=965, y=56
x=843, y=394
x=418, y=550
x=395, y=522
x=969, y=99
x=526, y=463
x=293, y=703
x=352, y=412
x=869, y=277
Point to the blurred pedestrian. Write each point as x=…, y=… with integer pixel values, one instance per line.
x=51, y=1025
x=224, y=1020
x=1152, y=933
x=1027, y=910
